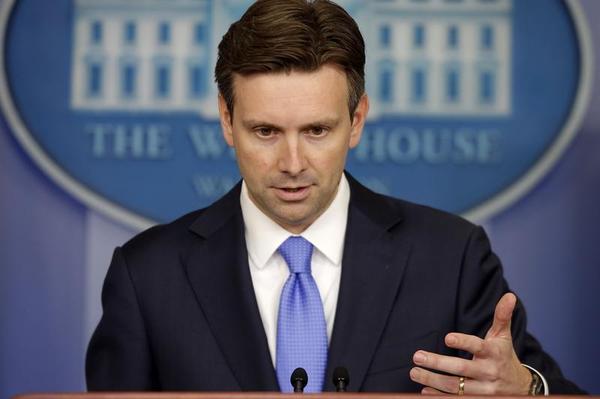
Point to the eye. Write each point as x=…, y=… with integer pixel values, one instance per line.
x=318, y=131
x=264, y=132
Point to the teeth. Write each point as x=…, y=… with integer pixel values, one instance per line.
x=292, y=190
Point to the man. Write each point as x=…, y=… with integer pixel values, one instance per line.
x=405, y=297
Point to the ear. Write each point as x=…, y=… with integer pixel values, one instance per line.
x=226, y=121
x=358, y=122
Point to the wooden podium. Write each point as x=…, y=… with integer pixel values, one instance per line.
x=246, y=395
x=214, y=395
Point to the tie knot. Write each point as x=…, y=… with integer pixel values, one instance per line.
x=297, y=253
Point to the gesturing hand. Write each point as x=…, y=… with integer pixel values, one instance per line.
x=494, y=368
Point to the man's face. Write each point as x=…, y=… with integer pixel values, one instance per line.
x=291, y=133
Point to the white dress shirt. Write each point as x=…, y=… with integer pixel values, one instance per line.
x=269, y=270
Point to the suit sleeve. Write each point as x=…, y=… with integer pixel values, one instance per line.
x=118, y=356
x=480, y=288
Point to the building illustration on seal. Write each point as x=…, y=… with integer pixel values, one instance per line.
x=424, y=57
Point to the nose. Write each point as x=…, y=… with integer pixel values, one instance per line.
x=291, y=155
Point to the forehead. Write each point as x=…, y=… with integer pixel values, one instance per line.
x=316, y=92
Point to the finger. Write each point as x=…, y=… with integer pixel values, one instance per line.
x=442, y=383
x=449, y=364
x=446, y=384
x=431, y=391
x=502, y=317
x=466, y=342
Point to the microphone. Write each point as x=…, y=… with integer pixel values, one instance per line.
x=299, y=379
x=341, y=379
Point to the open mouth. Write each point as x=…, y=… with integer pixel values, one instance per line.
x=293, y=193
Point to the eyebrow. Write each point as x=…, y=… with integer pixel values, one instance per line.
x=252, y=123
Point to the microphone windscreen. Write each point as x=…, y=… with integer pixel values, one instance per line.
x=341, y=374
x=299, y=375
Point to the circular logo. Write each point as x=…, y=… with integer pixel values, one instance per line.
x=472, y=102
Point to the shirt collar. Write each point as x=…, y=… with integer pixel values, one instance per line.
x=264, y=236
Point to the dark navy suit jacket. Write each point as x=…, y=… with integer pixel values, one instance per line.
x=180, y=311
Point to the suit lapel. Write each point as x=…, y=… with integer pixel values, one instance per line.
x=372, y=267
x=217, y=266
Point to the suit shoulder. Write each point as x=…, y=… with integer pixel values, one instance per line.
x=433, y=225
x=163, y=237
x=434, y=219
x=441, y=231
x=394, y=212
x=166, y=242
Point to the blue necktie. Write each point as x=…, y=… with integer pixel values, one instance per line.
x=301, y=328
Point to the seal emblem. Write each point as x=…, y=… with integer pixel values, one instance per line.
x=472, y=102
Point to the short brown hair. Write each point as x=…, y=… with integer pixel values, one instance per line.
x=287, y=35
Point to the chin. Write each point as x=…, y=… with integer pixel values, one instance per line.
x=293, y=222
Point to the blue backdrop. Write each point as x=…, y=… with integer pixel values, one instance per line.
x=54, y=252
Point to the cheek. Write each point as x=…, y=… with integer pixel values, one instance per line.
x=331, y=158
x=253, y=163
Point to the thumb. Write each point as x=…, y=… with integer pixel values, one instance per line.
x=502, y=316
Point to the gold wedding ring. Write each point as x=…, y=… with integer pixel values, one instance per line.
x=461, y=386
